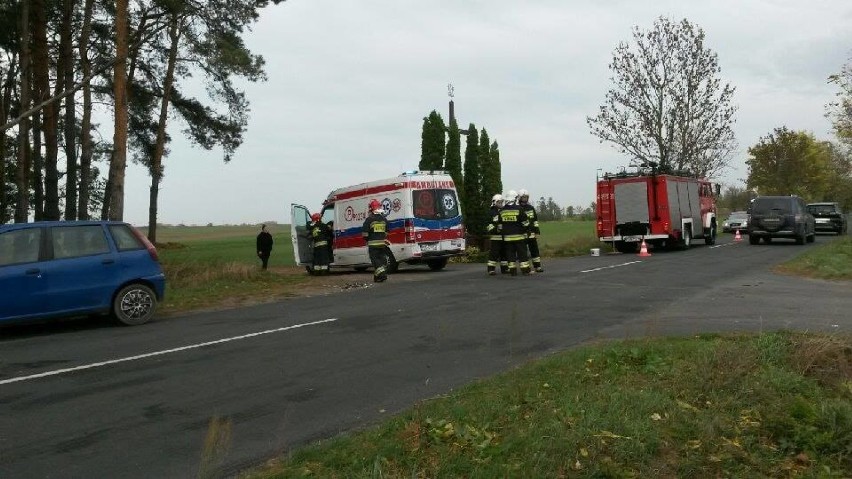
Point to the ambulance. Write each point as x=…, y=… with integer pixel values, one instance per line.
x=424, y=222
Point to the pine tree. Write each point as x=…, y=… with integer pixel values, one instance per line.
x=433, y=144
x=492, y=182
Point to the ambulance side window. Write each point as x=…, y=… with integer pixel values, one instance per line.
x=435, y=204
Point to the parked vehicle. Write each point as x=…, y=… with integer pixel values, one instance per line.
x=424, y=222
x=829, y=216
x=780, y=217
x=737, y=220
x=69, y=268
x=660, y=209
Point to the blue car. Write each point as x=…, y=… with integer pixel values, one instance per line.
x=67, y=268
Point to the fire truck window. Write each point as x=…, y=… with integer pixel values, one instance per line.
x=435, y=204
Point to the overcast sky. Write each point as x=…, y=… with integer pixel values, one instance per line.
x=349, y=83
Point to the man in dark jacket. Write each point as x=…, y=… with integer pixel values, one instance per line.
x=534, y=230
x=264, y=245
x=514, y=224
x=322, y=237
x=497, y=252
x=375, y=232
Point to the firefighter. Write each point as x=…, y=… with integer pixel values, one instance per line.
x=513, y=223
x=534, y=230
x=375, y=234
x=322, y=237
x=495, y=236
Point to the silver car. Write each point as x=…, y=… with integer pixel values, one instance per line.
x=737, y=220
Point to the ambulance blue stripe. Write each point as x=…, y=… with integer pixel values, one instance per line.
x=418, y=223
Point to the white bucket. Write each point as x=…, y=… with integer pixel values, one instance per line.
x=596, y=251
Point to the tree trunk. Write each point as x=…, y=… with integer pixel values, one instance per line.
x=67, y=52
x=159, y=147
x=119, y=157
x=86, y=122
x=22, y=176
x=37, y=165
x=5, y=101
x=41, y=79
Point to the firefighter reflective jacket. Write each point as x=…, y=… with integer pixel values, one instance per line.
x=493, y=228
x=321, y=233
x=533, y=217
x=375, y=230
x=513, y=222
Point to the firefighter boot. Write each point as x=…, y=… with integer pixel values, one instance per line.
x=492, y=266
x=504, y=267
x=525, y=268
x=537, y=266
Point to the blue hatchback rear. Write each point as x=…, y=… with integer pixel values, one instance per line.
x=69, y=268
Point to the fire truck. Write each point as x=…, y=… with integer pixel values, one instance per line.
x=664, y=210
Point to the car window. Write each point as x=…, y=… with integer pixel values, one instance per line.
x=821, y=209
x=19, y=246
x=125, y=240
x=763, y=206
x=74, y=241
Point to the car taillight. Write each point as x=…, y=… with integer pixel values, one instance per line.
x=152, y=250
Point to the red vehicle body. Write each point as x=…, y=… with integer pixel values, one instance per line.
x=662, y=210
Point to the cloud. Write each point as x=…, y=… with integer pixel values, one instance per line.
x=350, y=82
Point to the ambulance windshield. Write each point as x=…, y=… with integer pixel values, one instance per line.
x=435, y=204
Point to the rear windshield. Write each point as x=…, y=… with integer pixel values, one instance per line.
x=435, y=204
x=822, y=209
x=766, y=205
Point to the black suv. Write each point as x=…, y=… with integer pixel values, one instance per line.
x=780, y=217
x=829, y=217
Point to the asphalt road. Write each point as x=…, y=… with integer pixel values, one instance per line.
x=219, y=392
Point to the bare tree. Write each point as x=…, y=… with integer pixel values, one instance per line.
x=22, y=176
x=667, y=106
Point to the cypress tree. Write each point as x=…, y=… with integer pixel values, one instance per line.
x=496, y=168
x=489, y=181
x=474, y=217
x=453, y=163
x=433, y=142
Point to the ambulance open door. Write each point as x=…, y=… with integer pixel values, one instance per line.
x=302, y=244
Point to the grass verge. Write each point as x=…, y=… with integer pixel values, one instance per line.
x=831, y=261
x=769, y=405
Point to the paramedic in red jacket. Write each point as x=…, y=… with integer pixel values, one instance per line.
x=375, y=233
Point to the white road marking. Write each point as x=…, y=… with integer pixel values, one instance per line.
x=609, y=267
x=721, y=245
x=160, y=353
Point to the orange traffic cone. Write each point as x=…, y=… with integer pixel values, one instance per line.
x=643, y=250
x=737, y=236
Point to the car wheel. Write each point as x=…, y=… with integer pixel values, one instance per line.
x=752, y=239
x=134, y=304
x=800, y=239
x=767, y=239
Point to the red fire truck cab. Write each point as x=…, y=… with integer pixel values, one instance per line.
x=662, y=210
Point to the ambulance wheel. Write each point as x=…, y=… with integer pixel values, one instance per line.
x=392, y=266
x=436, y=264
x=309, y=269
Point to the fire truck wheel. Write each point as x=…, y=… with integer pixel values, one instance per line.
x=626, y=248
x=686, y=241
x=710, y=239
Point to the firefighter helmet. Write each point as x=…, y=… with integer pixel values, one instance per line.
x=523, y=192
x=496, y=198
x=511, y=196
x=315, y=217
x=376, y=207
